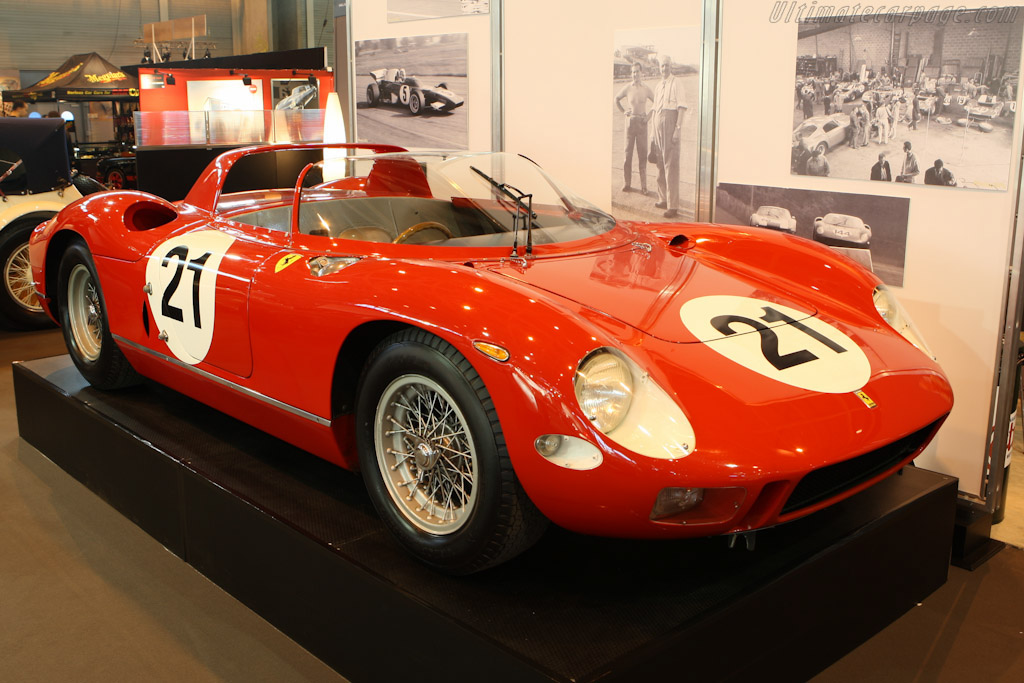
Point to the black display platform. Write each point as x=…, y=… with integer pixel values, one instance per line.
x=296, y=540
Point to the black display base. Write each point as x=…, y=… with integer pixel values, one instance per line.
x=295, y=539
x=973, y=544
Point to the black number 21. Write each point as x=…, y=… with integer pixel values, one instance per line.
x=180, y=253
x=770, y=341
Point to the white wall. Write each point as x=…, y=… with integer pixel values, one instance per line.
x=558, y=85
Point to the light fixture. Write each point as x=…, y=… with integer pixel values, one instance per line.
x=170, y=79
x=247, y=79
x=147, y=56
x=207, y=55
x=311, y=80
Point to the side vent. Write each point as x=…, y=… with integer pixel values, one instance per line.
x=678, y=241
x=149, y=214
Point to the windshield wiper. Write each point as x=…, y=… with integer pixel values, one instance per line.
x=524, y=209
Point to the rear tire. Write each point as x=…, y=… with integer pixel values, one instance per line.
x=115, y=179
x=434, y=460
x=19, y=307
x=84, y=322
x=372, y=94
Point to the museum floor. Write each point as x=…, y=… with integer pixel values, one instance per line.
x=86, y=596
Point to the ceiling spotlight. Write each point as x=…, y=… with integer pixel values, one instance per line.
x=147, y=56
x=247, y=79
x=207, y=55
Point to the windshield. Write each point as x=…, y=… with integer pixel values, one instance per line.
x=442, y=199
x=843, y=220
x=773, y=211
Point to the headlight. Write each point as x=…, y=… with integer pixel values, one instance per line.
x=604, y=389
x=626, y=405
x=894, y=314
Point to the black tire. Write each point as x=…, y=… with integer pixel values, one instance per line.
x=19, y=309
x=83, y=320
x=372, y=94
x=408, y=377
x=416, y=102
x=115, y=179
x=822, y=147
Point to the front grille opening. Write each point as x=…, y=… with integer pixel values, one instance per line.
x=830, y=481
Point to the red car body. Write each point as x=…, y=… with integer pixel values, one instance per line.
x=288, y=347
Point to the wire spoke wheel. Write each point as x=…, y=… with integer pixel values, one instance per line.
x=85, y=313
x=425, y=454
x=18, y=280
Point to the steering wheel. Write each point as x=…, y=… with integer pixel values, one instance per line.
x=419, y=227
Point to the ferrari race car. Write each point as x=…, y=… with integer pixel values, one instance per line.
x=36, y=182
x=842, y=230
x=774, y=217
x=822, y=132
x=494, y=352
x=392, y=86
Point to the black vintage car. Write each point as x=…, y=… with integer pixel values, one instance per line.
x=392, y=86
x=36, y=181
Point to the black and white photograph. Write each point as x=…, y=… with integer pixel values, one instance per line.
x=655, y=101
x=288, y=94
x=411, y=91
x=415, y=10
x=921, y=97
x=869, y=229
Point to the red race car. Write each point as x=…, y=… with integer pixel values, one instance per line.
x=494, y=352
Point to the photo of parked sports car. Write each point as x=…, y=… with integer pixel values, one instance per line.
x=392, y=86
x=822, y=132
x=985, y=107
x=842, y=230
x=774, y=217
x=36, y=182
x=299, y=98
x=459, y=327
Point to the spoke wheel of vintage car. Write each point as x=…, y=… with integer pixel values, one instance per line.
x=415, y=102
x=83, y=321
x=19, y=308
x=372, y=94
x=433, y=457
x=115, y=179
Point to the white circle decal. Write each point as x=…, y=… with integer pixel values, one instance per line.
x=181, y=281
x=781, y=343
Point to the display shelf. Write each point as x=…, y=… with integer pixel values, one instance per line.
x=296, y=540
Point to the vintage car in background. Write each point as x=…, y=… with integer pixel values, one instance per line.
x=774, y=217
x=926, y=102
x=851, y=90
x=494, y=352
x=118, y=173
x=822, y=132
x=392, y=86
x=985, y=107
x=36, y=182
x=842, y=230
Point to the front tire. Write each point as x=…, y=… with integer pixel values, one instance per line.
x=415, y=102
x=434, y=460
x=372, y=94
x=19, y=307
x=84, y=322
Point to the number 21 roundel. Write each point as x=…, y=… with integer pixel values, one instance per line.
x=779, y=342
x=181, y=278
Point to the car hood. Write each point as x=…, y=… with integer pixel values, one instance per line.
x=647, y=284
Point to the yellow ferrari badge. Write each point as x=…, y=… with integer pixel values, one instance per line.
x=866, y=399
x=286, y=261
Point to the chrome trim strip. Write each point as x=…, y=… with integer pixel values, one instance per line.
x=223, y=382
